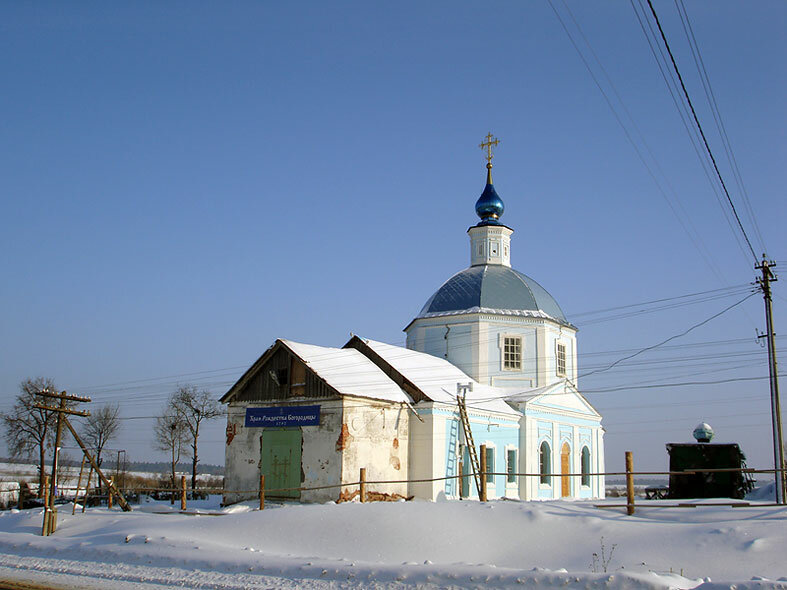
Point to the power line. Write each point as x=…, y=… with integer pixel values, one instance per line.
x=683, y=384
x=710, y=95
x=674, y=203
x=647, y=348
x=702, y=133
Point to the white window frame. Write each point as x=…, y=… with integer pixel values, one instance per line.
x=558, y=371
x=516, y=337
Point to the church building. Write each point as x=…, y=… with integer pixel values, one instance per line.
x=309, y=416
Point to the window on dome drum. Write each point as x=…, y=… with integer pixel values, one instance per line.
x=585, y=466
x=561, y=360
x=490, y=465
x=510, y=466
x=544, y=462
x=512, y=353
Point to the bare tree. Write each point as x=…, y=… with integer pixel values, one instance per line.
x=101, y=427
x=171, y=436
x=192, y=407
x=28, y=429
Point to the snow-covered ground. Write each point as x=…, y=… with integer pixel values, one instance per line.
x=451, y=544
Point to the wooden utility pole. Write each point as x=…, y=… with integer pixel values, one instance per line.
x=776, y=412
x=62, y=413
x=50, y=512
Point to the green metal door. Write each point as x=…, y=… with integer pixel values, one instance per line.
x=281, y=461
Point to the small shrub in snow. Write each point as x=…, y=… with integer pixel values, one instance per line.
x=602, y=562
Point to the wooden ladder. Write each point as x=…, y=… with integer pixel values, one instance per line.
x=460, y=400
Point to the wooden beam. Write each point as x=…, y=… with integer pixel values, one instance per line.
x=110, y=486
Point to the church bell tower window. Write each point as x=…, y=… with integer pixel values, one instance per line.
x=512, y=353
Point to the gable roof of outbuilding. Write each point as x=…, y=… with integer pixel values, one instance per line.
x=345, y=371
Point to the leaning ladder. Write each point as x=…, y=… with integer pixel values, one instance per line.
x=460, y=400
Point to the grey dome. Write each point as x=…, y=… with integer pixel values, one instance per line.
x=492, y=288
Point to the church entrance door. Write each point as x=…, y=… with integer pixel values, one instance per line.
x=280, y=461
x=565, y=469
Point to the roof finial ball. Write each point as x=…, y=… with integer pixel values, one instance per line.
x=703, y=432
x=489, y=206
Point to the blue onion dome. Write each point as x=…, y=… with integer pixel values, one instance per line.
x=489, y=205
x=703, y=432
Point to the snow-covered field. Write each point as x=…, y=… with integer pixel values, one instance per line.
x=451, y=544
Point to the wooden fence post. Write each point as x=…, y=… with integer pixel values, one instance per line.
x=482, y=491
x=461, y=480
x=109, y=494
x=629, y=483
x=182, y=492
x=262, y=492
x=362, y=485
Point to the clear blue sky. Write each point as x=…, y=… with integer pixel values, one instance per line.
x=182, y=183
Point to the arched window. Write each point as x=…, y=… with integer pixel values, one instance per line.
x=585, y=466
x=545, y=462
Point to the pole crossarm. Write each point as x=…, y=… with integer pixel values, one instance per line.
x=63, y=395
x=62, y=411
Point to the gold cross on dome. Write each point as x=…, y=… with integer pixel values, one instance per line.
x=487, y=145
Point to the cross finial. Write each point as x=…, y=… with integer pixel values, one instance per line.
x=487, y=146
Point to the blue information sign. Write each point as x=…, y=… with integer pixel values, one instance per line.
x=283, y=416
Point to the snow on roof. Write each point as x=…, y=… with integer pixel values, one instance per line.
x=437, y=378
x=348, y=372
x=527, y=395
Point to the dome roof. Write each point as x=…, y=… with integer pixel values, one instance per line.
x=492, y=288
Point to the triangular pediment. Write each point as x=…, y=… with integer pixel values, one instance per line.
x=558, y=397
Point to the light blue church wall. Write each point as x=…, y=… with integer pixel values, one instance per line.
x=494, y=432
x=585, y=440
x=545, y=434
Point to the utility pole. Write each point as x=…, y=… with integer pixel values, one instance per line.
x=778, y=442
x=50, y=512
